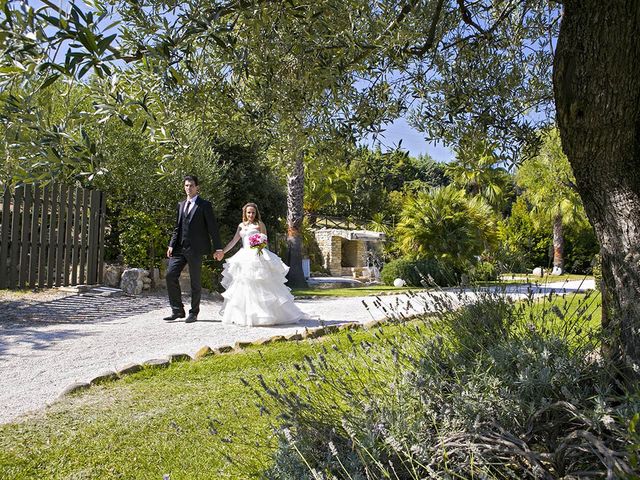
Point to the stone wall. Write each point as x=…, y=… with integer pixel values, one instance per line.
x=114, y=276
x=331, y=242
x=331, y=247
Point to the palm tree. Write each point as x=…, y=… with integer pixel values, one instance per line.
x=478, y=173
x=380, y=223
x=549, y=187
x=445, y=223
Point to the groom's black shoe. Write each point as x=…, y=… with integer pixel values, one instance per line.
x=191, y=318
x=175, y=315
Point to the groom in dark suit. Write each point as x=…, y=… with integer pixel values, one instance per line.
x=195, y=230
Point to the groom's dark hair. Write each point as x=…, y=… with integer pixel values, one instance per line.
x=191, y=178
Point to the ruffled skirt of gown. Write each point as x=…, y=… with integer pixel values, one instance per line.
x=255, y=291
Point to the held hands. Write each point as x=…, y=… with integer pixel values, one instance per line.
x=169, y=252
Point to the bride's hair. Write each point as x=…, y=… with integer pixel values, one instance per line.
x=244, y=212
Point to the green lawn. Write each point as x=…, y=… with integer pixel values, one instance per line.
x=571, y=307
x=506, y=279
x=352, y=291
x=182, y=420
x=528, y=278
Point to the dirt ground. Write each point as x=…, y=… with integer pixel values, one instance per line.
x=31, y=297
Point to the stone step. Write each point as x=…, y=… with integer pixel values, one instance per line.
x=103, y=291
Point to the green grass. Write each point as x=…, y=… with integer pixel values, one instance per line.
x=529, y=278
x=352, y=291
x=388, y=289
x=181, y=421
x=569, y=307
x=507, y=279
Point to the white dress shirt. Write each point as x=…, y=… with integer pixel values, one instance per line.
x=189, y=204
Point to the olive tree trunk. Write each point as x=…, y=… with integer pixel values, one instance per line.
x=295, y=216
x=597, y=90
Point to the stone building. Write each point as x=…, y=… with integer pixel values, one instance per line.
x=345, y=252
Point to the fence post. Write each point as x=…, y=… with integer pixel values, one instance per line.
x=94, y=219
x=101, y=225
x=53, y=221
x=44, y=246
x=59, y=275
x=4, y=236
x=23, y=271
x=34, y=252
x=75, y=243
x=84, y=235
x=15, y=239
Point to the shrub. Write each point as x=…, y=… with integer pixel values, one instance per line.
x=418, y=273
x=483, y=272
x=492, y=390
x=142, y=243
x=446, y=224
x=211, y=275
x=523, y=245
x=580, y=247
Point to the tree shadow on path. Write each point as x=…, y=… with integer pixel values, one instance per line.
x=84, y=308
x=43, y=324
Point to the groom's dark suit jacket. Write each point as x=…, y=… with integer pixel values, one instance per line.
x=195, y=233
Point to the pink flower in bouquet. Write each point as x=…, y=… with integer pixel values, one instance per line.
x=258, y=241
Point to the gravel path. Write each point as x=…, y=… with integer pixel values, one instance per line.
x=45, y=346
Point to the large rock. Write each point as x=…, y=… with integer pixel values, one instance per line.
x=159, y=275
x=112, y=274
x=538, y=272
x=132, y=281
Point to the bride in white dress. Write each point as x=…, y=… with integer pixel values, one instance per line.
x=256, y=294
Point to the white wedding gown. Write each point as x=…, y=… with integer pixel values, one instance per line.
x=255, y=291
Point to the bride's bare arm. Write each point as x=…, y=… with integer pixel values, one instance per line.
x=233, y=241
x=263, y=229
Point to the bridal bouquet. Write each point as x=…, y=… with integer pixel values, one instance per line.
x=258, y=241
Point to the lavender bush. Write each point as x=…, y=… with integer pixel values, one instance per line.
x=492, y=390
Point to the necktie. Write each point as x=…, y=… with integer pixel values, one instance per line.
x=187, y=207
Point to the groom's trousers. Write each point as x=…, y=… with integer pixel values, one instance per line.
x=176, y=264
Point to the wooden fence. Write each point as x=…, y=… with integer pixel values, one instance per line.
x=51, y=236
x=323, y=221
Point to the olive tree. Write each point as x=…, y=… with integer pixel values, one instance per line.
x=476, y=71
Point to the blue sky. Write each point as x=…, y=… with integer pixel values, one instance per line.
x=412, y=141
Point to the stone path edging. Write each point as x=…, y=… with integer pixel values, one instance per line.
x=206, y=351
